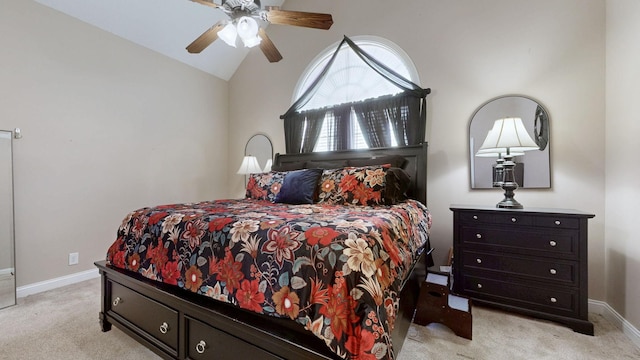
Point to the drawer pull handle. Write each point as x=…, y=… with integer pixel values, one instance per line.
x=117, y=301
x=553, y=243
x=479, y=261
x=475, y=217
x=513, y=220
x=479, y=286
x=553, y=271
x=554, y=300
x=557, y=222
x=164, y=328
x=201, y=347
x=479, y=236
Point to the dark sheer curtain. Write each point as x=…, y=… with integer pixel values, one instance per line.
x=301, y=130
x=374, y=123
x=405, y=112
x=314, y=120
x=294, y=125
x=342, y=129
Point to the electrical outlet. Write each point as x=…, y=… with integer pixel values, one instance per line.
x=74, y=258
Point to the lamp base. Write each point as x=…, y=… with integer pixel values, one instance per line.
x=509, y=202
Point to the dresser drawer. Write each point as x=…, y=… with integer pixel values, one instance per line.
x=154, y=318
x=559, y=243
x=540, y=269
x=557, y=222
x=207, y=342
x=475, y=218
x=560, y=301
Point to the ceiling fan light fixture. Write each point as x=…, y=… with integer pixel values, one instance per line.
x=229, y=34
x=247, y=28
x=251, y=42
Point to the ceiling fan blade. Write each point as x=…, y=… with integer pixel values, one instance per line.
x=268, y=49
x=299, y=18
x=205, y=2
x=205, y=39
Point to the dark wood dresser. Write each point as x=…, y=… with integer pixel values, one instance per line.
x=531, y=261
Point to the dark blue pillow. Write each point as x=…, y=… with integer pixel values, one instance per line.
x=299, y=186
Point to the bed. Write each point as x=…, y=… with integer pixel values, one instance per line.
x=278, y=278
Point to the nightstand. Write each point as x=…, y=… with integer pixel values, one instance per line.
x=532, y=261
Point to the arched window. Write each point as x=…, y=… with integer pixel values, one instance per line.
x=350, y=80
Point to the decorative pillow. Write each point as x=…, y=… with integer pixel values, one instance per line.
x=395, y=161
x=398, y=185
x=265, y=186
x=353, y=186
x=296, y=165
x=299, y=187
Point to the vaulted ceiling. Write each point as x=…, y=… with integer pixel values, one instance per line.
x=165, y=26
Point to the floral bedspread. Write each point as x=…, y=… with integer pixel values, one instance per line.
x=335, y=269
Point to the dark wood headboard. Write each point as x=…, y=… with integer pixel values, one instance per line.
x=416, y=167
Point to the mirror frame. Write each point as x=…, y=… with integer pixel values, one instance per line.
x=9, y=298
x=257, y=146
x=536, y=123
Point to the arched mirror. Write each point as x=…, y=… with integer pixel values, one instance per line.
x=532, y=167
x=260, y=146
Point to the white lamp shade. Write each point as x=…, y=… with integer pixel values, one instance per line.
x=507, y=136
x=249, y=166
x=248, y=31
x=229, y=34
x=267, y=166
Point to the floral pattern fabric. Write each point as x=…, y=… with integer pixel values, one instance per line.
x=336, y=270
x=353, y=186
x=265, y=186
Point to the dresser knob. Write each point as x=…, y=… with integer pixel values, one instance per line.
x=475, y=217
x=553, y=271
x=554, y=300
x=201, y=347
x=116, y=301
x=479, y=286
x=164, y=328
x=514, y=220
x=479, y=236
x=479, y=261
x=557, y=222
x=553, y=243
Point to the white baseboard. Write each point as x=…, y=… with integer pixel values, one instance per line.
x=41, y=286
x=609, y=313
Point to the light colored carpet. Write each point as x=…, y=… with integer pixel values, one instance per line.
x=63, y=324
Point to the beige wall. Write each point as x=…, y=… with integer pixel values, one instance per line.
x=108, y=127
x=467, y=52
x=622, y=171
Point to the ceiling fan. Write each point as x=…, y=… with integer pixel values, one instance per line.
x=242, y=24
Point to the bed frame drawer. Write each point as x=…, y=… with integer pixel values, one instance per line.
x=207, y=342
x=153, y=318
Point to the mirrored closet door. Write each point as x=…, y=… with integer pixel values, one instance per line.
x=7, y=266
